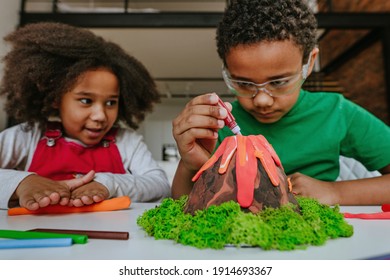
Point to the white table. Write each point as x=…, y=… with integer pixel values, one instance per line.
x=370, y=238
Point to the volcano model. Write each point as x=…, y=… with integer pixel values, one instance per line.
x=245, y=169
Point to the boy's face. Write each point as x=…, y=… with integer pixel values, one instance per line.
x=263, y=62
x=90, y=109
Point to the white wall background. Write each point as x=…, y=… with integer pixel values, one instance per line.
x=9, y=18
x=157, y=127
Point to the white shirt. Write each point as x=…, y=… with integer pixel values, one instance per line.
x=144, y=180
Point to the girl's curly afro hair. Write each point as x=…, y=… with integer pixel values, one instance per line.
x=47, y=59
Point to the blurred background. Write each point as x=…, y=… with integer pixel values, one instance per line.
x=175, y=40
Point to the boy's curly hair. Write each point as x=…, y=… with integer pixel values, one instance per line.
x=250, y=22
x=46, y=61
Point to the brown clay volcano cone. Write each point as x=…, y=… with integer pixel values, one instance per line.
x=213, y=187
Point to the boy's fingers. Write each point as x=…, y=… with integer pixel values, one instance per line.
x=208, y=98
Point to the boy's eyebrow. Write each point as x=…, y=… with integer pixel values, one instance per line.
x=271, y=78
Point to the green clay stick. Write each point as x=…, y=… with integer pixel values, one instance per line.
x=18, y=234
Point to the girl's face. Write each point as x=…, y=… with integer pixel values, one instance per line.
x=90, y=109
x=263, y=62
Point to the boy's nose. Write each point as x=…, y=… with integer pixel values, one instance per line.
x=262, y=98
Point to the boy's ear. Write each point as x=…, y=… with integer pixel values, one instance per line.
x=314, y=54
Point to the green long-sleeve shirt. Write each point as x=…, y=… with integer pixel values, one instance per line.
x=318, y=129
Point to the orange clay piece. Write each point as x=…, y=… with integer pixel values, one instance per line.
x=246, y=170
x=117, y=203
x=266, y=157
x=289, y=184
x=227, y=156
x=246, y=149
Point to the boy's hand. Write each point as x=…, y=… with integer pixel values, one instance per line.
x=195, y=129
x=324, y=192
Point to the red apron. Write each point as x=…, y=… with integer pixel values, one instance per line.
x=58, y=159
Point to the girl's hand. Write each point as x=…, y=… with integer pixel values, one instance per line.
x=87, y=194
x=80, y=181
x=36, y=191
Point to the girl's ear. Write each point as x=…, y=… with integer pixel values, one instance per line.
x=55, y=114
x=55, y=105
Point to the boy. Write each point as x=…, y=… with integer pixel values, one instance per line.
x=268, y=49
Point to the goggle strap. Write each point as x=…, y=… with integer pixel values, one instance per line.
x=305, y=68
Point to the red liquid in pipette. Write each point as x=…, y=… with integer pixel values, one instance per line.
x=230, y=120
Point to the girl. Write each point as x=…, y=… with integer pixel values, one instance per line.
x=78, y=99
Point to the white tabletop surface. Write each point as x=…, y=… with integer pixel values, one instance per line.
x=370, y=238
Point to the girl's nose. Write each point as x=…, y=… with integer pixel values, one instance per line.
x=98, y=113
